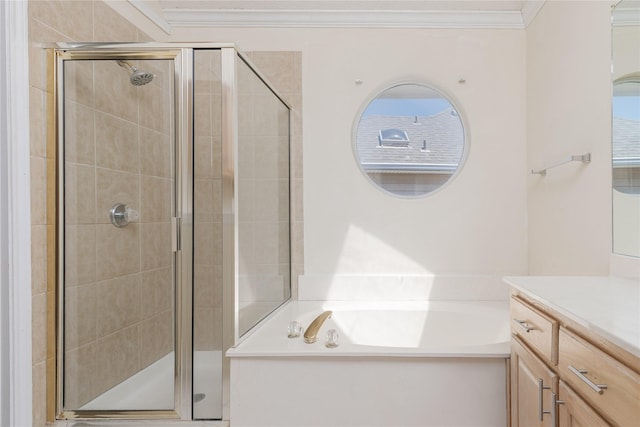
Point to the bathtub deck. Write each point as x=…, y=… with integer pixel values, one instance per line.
x=397, y=329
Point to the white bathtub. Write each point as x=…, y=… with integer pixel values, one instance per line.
x=400, y=364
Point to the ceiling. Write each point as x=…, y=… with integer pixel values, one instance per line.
x=171, y=14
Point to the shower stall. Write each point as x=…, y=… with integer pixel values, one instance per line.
x=173, y=224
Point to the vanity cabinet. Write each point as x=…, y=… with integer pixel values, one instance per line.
x=563, y=374
x=573, y=411
x=533, y=385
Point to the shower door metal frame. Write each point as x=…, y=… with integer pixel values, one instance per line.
x=182, y=54
x=182, y=214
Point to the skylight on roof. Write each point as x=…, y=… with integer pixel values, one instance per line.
x=393, y=138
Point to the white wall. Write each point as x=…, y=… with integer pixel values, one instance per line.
x=569, y=112
x=475, y=225
x=15, y=220
x=532, y=97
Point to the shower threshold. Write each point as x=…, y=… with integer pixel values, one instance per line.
x=152, y=388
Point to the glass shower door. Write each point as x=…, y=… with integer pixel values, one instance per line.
x=264, y=260
x=207, y=232
x=118, y=268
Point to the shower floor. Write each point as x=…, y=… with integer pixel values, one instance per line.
x=153, y=388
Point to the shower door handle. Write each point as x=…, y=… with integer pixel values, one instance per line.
x=175, y=234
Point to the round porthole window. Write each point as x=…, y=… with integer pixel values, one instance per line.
x=409, y=140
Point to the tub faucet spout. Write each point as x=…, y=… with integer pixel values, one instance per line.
x=311, y=334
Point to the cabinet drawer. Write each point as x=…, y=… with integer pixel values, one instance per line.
x=573, y=411
x=610, y=387
x=535, y=328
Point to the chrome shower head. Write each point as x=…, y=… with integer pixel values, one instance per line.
x=137, y=77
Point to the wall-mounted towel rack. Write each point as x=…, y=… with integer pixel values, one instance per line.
x=584, y=158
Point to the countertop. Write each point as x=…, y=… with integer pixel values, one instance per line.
x=609, y=306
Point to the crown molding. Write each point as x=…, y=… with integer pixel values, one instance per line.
x=144, y=8
x=626, y=17
x=167, y=19
x=530, y=9
x=343, y=18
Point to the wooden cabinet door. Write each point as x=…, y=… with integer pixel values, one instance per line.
x=532, y=386
x=575, y=412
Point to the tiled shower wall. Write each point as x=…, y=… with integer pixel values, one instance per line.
x=283, y=70
x=119, y=294
x=68, y=21
x=207, y=199
x=263, y=199
x=54, y=21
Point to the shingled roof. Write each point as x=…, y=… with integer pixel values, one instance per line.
x=435, y=143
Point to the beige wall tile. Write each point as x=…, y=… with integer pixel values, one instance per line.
x=38, y=259
x=80, y=254
x=80, y=315
x=247, y=209
x=117, y=250
x=38, y=190
x=216, y=115
x=39, y=394
x=155, y=153
x=266, y=153
x=37, y=122
x=114, y=93
x=115, y=187
x=156, y=338
x=39, y=324
x=110, y=26
x=116, y=358
x=246, y=156
x=208, y=243
x=246, y=246
x=118, y=304
x=271, y=196
x=155, y=245
x=245, y=113
x=202, y=112
x=155, y=199
x=277, y=67
x=265, y=116
x=39, y=64
x=79, y=133
x=81, y=367
x=208, y=157
x=162, y=69
x=203, y=200
x=79, y=82
x=246, y=78
x=204, y=286
x=80, y=194
x=204, y=158
x=156, y=292
x=203, y=72
x=204, y=326
x=271, y=241
x=116, y=143
x=72, y=18
x=155, y=107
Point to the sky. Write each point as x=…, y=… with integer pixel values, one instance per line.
x=406, y=106
x=627, y=107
